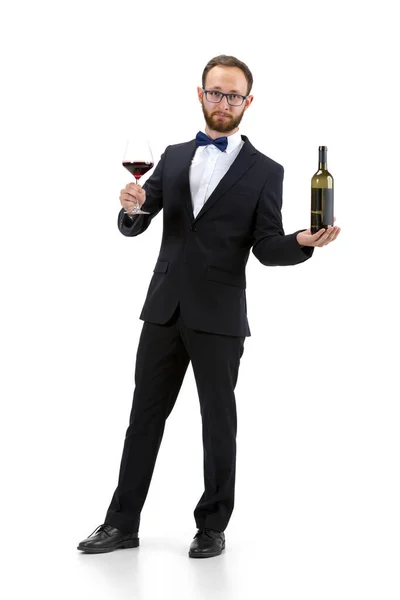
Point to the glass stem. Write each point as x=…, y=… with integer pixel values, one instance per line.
x=137, y=207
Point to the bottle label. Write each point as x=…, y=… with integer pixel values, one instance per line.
x=321, y=208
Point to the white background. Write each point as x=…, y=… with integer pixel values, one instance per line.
x=317, y=488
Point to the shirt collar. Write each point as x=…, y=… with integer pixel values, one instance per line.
x=233, y=142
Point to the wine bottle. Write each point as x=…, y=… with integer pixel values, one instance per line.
x=321, y=194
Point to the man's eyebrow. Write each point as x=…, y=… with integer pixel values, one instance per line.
x=216, y=87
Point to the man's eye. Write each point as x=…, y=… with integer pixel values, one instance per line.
x=233, y=96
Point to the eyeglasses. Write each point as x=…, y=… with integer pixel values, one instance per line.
x=232, y=99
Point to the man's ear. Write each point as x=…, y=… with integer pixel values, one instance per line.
x=248, y=101
x=200, y=93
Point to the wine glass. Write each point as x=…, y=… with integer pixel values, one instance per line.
x=138, y=159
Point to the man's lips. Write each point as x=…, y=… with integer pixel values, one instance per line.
x=222, y=115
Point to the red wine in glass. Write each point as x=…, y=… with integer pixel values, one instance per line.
x=138, y=159
x=138, y=168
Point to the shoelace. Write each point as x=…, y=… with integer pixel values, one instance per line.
x=104, y=527
x=206, y=531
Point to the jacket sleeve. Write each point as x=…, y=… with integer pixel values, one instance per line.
x=270, y=244
x=137, y=224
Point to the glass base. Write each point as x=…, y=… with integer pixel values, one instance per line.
x=137, y=212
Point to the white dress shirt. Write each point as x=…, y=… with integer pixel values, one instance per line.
x=208, y=167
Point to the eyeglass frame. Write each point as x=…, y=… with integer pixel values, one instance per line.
x=227, y=99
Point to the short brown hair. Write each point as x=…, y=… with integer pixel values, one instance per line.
x=229, y=61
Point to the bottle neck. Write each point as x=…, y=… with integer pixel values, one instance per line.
x=323, y=159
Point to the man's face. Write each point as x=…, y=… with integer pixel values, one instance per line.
x=223, y=117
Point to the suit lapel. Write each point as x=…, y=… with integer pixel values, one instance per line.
x=184, y=160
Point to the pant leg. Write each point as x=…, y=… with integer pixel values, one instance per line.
x=161, y=365
x=215, y=361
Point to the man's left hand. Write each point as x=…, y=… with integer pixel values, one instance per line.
x=321, y=238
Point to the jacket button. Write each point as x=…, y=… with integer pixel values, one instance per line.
x=193, y=228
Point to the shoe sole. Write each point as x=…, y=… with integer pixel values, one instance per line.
x=204, y=555
x=127, y=544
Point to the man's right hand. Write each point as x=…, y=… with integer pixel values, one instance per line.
x=131, y=194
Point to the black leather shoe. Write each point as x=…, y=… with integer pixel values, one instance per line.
x=107, y=539
x=207, y=543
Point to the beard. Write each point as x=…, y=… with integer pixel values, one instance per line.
x=221, y=125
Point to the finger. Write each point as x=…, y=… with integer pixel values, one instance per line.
x=136, y=192
x=318, y=235
x=128, y=193
x=334, y=233
x=134, y=186
x=330, y=235
x=129, y=197
x=321, y=236
x=128, y=205
x=127, y=200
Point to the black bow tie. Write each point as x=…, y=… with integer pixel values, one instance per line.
x=204, y=140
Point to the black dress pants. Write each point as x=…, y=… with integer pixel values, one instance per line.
x=163, y=357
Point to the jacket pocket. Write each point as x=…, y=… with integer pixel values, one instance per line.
x=161, y=266
x=215, y=274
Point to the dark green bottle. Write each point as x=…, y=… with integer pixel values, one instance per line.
x=321, y=194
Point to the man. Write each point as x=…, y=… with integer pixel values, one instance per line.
x=221, y=198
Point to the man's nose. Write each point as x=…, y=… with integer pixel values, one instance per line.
x=223, y=103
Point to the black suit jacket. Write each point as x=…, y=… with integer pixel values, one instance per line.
x=202, y=260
